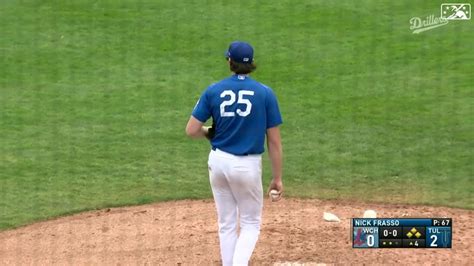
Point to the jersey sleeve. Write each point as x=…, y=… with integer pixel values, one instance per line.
x=273, y=111
x=202, y=110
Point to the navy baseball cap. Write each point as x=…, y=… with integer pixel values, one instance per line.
x=240, y=52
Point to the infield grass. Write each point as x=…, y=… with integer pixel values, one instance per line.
x=95, y=95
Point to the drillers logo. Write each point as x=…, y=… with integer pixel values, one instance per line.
x=418, y=25
x=449, y=11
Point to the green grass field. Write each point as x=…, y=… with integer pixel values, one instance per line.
x=95, y=95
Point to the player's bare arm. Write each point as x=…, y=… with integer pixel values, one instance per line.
x=275, y=152
x=196, y=129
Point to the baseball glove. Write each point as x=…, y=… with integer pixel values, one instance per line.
x=211, y=131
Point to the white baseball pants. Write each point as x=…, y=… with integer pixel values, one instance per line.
x=236, y=183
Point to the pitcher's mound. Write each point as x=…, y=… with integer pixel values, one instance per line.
x=185, y=233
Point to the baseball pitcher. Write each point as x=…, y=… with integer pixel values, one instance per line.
x=244, y=111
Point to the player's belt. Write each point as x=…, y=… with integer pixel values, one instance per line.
x=245, y=154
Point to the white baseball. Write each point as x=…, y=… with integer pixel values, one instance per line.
x=274, y=194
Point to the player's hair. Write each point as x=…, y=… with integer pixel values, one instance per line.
x=241, y=68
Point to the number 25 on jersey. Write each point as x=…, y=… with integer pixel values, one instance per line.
x=240, y=100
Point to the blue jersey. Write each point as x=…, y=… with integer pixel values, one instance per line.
x=242, y=110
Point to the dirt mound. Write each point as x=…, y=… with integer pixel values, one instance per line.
x=185, y=233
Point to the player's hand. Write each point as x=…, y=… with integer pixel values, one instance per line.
x=278, y=186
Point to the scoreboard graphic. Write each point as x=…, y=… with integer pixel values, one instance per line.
x=402, y=233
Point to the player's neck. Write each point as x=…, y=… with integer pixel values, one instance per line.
x=245, y=75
